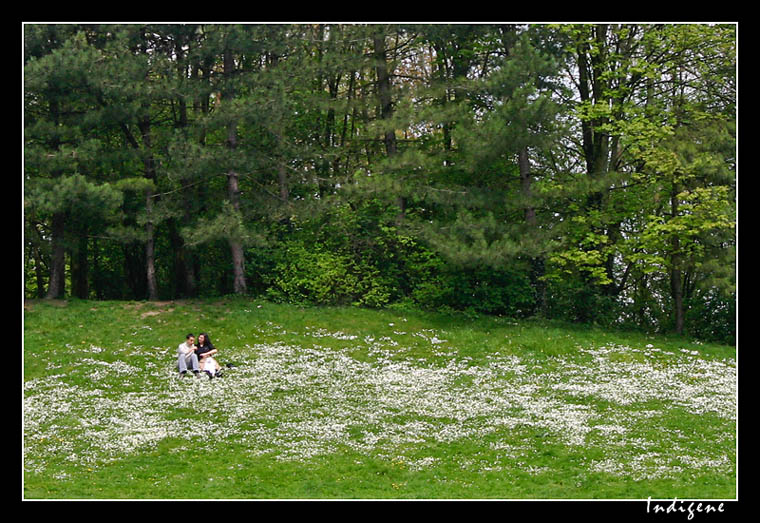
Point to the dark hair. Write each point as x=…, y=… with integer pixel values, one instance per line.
x=189, y=336
x=206, y=340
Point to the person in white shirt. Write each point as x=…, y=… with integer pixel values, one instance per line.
x=186, y=356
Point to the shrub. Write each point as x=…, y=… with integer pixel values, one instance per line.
x=481, y=290
x=312, y=274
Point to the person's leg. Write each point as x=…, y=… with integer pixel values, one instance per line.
x=211, y=364
x=206, y=367
x=194, y=362
x=216, y=369
x=184, y=360
x=182, y=364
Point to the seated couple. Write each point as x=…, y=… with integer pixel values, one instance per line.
x=198, y=356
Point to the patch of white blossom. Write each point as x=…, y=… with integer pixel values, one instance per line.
x=295, y=403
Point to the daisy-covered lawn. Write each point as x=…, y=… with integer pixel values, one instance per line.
x=395, y=408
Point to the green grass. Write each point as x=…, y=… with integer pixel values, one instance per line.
x=343, y=402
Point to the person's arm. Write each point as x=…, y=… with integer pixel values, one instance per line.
x=209, y=353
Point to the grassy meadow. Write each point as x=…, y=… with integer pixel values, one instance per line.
x=350, y=403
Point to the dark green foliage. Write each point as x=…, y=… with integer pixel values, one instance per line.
x=444, y=167
x=483, y=290
x=345, y=256
x=712, y=316
x=571, y=299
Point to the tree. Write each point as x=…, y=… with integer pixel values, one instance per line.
x=57, y=70
x=630, y=81
x=496, y=129
x=585, y=171
x=692, y=169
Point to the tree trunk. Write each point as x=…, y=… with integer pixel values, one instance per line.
x=150, y=250
x=677, y=293
x=38, y=272
x=537, y=264
x=183, y=272
x=676, y=273
x=150, y=173
x=178, y=259
x=282, y=178
x=134, y=268
x=236, y=248
x=233, y=190
x=56, y=285
x=80, y=269
x=593, y=86
x=525, y=182
x=58, y=262
x=384, y=90
x=96, y=280
x=282, y=173
x=386, y=102
x=191, y=286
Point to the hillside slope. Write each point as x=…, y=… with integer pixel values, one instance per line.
x=356, y=403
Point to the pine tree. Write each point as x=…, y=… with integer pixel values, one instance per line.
x=498, y=130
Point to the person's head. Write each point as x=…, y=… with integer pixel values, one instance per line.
x=189, y=339
x=203, y=339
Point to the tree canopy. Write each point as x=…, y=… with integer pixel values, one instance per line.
x=585, y=172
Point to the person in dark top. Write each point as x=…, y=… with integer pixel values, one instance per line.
x=205, y=352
